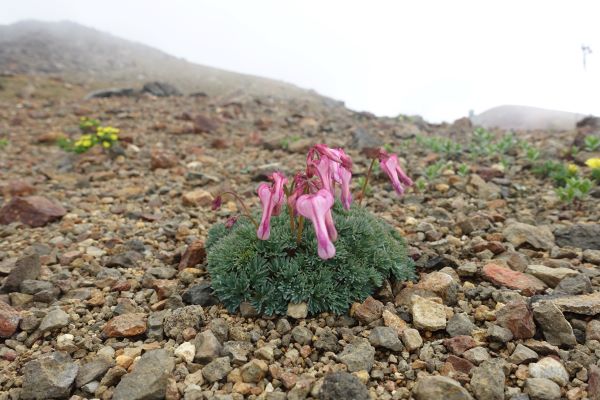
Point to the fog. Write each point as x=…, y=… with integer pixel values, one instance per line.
x=438, y=59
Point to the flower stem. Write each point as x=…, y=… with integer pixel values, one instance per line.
x=300, y=229
x=364, y=186
x=246, y=212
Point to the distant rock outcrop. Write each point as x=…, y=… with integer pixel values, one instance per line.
x=526, y=118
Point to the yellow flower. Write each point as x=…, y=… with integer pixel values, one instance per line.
x=593, y=163
x=106, y=145
x=572, y=168
x=100, y=133
x=114, y=137
x=86, y=143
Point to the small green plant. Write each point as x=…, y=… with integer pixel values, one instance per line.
x=574, y=189
x=286, y=141
x=463, y=170
x=388, y=147
x=434, y=170
x=532, y=154
x=3, y=143
x=556, y=171
x=88, y=125
x=592, y=143
x=362, y=182
x=105, y=136
x=421, y=184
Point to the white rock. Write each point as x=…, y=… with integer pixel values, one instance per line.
x=186, y=351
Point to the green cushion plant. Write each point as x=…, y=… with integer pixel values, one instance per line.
x=342, y=256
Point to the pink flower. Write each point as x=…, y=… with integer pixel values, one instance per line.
x=343, y=177
x=317, y=208
x=389, y=165
x=271, y=197
x=334, y=165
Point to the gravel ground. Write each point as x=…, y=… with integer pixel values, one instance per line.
x=105, y=294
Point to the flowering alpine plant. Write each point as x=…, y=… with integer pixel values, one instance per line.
x=278, y=260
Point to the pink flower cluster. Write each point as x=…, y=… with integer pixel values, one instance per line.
x=312, y=192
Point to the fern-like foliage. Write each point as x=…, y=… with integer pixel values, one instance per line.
x=272, y=273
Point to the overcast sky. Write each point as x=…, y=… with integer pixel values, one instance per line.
x=438, y=59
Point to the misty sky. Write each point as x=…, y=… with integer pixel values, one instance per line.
x=438, y=59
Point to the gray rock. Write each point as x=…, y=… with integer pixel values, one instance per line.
x=201, y=294
x=182, y=318
x=584, y=236
x=208, y=347
x=327, y=341
x=237, y=351
x=358, y=355
x=578, y=284
x=220, y=328
x=412, y=339
x=549, y=368
x=539, y=237
x=383, y=336
x=477, y=355
x=33, y=286
x=27, y=267
x=592, y=256
x=55, y=319
x=522, y=354
x=487, y=382
x=342, y=385
x=217, y=369
x=555, y=326
x=124, y=260
x=459, y=325
x=161, y=89
x=302, y=335
x=93, y=370
x=148, y=380
x=50, y=376
x=111, y=92
x=542, y=389
x=439, y=388
x=499, y=334
x=363, y=139
x=550, y=276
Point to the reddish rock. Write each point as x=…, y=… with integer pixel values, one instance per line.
x=204, y=124
x=368, y=311
x=125, y=325
x=518, y=318
x=460, y=344
x=164, y=288
x=34, y=211
x=594, y=382
x=460, y=364
x=194, y=254
x=162, y=159
x=9, y=320
x=494, y=247
x=18, y=188
x=527, y=284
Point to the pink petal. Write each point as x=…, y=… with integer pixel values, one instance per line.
x=317, y=208
x=266, y=198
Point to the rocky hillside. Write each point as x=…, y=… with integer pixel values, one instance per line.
x=527, y=118
x=84, y=55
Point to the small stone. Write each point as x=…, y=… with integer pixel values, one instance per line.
x=551, y=369
x=247, y=310
x=217, y=369
x=162, y=159
x=555, y=326
x=201, y=294
x=367, y=311
x=358, y=355
x=592, y=330
x=477, y=355
x=522, y=355
x=412, y=339
x=197, y=198
x=439, y=388
x=527, y=284
x=394, y=321
x=442, y=284
x=342, y=385
x=35, y=211
x=194, y=254
x=124, y=361
x=302, y=335
x=207, y=347
x=93, y=370
x=594, y=382
x=460, y=364
x=592, y=256
x=27, y=267
x=542, y=389
x=49, y=376
x=9, y=320
x=459, y=344
x=587, y=304
x=460, y=325
x=383, y=336
x=181, y=319
x=537, y=237
x=126, y=325
x=254, y=371
x=583, y=236
x=578, y=284
x=149, y=377
x=499, y=334
x=517, y=317
x=428, y=314
x=550, y=276
x=297, y=310
x=186, y=351
x=487, y=382
x=55, y=319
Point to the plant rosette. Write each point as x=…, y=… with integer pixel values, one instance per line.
x=312, y=244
